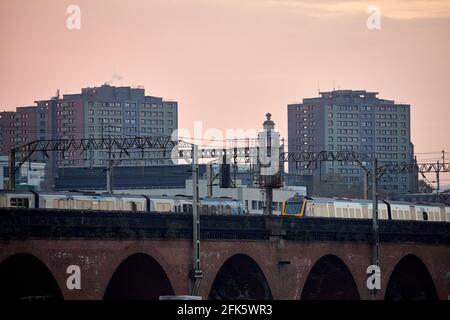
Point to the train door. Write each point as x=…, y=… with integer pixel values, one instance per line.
x=95, y=205
x=330, y=209
x=382, y=211
x=442, y=214
x=412, y=213
x=422, y=213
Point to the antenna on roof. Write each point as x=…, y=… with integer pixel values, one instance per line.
x=334, y=86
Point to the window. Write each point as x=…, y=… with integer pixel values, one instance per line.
x=20, y=203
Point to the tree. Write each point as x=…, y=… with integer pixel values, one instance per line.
x=425, y=187
x=335, y=185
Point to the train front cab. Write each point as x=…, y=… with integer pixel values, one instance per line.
x=294, y=207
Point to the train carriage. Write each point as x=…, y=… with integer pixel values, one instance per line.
x=87, y=201
x=18, y=199
x=222, y=206
x=362, y=209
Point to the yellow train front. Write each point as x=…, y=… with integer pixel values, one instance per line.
x=294, y=207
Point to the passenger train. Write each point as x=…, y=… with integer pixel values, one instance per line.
x=362, y=209
x=116, y=202
x=297, y=206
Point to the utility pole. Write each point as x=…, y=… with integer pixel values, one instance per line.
x=209, y=180
x=375, y=229
x=438, y=173
x=438, y=186
x=268, y=178
x=235, y=167
x=365, y=186
x=12, y=170
x=196, y=271
x=109, y=175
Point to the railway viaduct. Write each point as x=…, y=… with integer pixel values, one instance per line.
x=143, y=256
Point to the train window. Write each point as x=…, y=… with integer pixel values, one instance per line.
x=351, y=213
x=425, y=216
x=133, y=206
x=20, y=202
x=434, y=216
x=163, y=207
x=345, y=212
x=292, y=207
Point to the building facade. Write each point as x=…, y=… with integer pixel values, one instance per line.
x=353, y=120
x=7, y=131
x=111, y=112
x=97, y=112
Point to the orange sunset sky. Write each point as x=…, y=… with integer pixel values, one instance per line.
x=228, y=62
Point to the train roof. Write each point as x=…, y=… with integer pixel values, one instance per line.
x=391, y=202
x=16, y=191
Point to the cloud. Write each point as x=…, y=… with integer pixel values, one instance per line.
x=396, y=9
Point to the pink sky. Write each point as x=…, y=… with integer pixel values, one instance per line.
x=230, y=62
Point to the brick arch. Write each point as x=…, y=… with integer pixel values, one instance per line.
x=246, y=274
x=346, y=277
x=356, y=258
x=423, y=269
x=437, y=268
x=140, y=262
x=28, y=274
x=162, y=254
x=213, y=263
